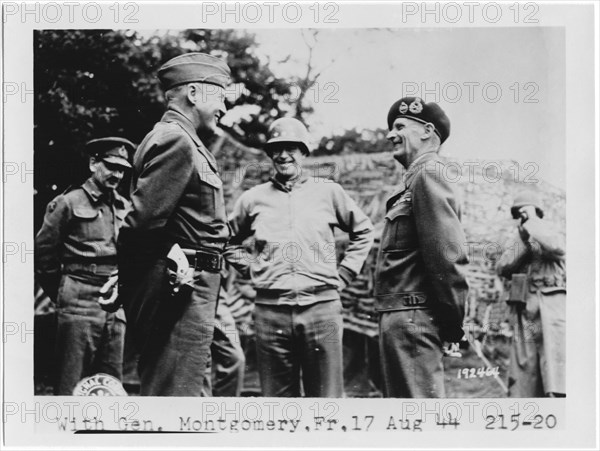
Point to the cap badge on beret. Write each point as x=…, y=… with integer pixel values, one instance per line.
x=416, y=109
x=416, y=106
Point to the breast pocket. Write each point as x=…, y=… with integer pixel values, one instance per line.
x=211, y=194
x=399, y=231
x=88, y=223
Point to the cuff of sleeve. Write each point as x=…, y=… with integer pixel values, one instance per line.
x=346, y=274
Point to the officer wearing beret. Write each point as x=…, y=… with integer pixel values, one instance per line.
x=535, y=255
x=75, y=256
x=420, y=290
x=177, y=198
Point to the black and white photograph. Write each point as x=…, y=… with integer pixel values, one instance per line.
x=300, y=224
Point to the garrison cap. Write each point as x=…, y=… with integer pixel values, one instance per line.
x=526, y=197
x=414, y=108
x=111, y=149
x=194, y=67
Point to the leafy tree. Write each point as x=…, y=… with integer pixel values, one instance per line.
x=354, y=141
x=94, y=83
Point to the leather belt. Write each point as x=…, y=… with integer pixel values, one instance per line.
x=402, y=301
x=99, y=269
x=204, y=260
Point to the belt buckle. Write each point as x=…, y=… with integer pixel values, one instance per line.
x=215, y=262
x=411, y=300
x=207, y=261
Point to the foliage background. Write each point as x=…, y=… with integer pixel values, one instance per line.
x=95, y=83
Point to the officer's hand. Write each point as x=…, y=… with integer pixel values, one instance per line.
x=453, y=350
x=108, y=301
x=342, y=286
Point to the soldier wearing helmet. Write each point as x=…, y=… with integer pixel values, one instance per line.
x=287, y=147
x=534, y=261
x=294, y=269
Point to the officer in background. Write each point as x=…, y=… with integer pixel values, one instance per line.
x=534, y=260
x=298, y=312
x=419, y=287
x=75, y=256
x=177, y=199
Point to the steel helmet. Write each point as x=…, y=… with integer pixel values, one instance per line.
x=288, y=129
x=527, y=197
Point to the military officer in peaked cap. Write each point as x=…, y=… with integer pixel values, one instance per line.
x=75, y=256
x=177, y=198
x=420, y=289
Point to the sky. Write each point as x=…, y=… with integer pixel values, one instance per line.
x=502, y=88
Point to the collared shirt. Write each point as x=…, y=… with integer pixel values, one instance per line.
x=176, y=187
x=417, y=164
x=294, y=245
x=80, y=226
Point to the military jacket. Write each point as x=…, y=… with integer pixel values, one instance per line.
x=422, y=250
x=176, y=188
x=293, y=229
x=80, y=228
x=542, y=258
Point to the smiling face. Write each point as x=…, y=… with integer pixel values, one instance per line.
x=208, y=105
x=287, y=159
x=106, y=175
x=407, y=137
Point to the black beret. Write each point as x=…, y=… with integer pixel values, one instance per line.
x=190, y=67
x=414, y=108
x=111, y=149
